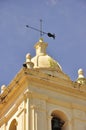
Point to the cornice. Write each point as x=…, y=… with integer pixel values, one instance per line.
x=57, y=84
x=33, y=76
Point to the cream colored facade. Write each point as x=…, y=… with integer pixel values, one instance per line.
x=40, y=91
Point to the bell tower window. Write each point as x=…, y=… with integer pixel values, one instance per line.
x=56, y=123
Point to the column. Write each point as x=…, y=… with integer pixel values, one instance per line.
x=33, y=118
x=49, y=123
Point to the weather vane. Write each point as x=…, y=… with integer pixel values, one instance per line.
x=41, y=32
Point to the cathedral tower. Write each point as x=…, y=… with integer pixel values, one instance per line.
x=43, y=97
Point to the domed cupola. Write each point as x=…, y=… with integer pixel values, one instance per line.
x=42, y=59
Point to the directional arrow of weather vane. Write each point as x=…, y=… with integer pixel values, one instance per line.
x=42, y=32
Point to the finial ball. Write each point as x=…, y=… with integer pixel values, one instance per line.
x=41, y=40
x=80, y=72
x=3, y=87
x=28, y=56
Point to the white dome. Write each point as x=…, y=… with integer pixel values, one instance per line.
x=43, y=60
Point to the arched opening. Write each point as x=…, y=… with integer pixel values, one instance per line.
x=57, y=123
x=13, y=125
x=58, y=120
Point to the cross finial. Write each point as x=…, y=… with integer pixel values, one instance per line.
x=40, y=30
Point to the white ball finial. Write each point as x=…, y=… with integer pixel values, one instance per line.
x=28, y=56
x=81, y=79
x=80, y=73
x=41, y=40
x=28, y=62
x=3, y=87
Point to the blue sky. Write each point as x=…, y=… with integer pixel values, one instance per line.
x=65, y=18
